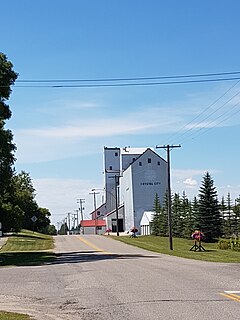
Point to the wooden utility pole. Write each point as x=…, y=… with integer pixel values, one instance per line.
x=95, y=209
x=81, y=202
x=168, y=148
x=116, y=200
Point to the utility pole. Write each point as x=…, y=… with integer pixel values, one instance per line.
x=116, y=177
x=116, y=199
x=69, y=213
x=95, y=208
x=168, y=148
x=81, y=202
x=75, y=218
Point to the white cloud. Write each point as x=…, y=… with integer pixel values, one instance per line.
x=60, y=196
x=57, y=142
x=190, y=182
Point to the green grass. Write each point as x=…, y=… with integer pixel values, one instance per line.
x=13, y=316
x=27, y=248
x=181, y=248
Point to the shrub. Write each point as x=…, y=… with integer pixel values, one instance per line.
x=223, y=244
x=232, y=243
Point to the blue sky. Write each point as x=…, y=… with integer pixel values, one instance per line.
x=60, y=132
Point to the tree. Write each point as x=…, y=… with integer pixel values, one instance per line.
x=17, y=194
x=159, y=225
x=43, y=220
x=228, y=221
x=51, y=229
x=195, y=211
x=9, y=214
x=187, y=214
x=156, y=223
x=7, y=78
x=23, y=195
x=177, y=218
x=208, y=218
x=63, y=229
x=236, y=210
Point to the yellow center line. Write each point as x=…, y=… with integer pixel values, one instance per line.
x=231, y=296
x=91, y=245
x=235, y=295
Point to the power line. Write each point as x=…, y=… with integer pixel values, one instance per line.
x=208, y=116
x=133, y=78
x=127, y=84
x=200, y=114
x=200, y=132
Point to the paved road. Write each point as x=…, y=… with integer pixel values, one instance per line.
x=95, y=277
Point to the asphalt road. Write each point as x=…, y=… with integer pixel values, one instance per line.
x=95, y=277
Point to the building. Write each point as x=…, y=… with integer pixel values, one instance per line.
x=145, y=177
x=132, y=178
x=93, y=226
x=145, y=222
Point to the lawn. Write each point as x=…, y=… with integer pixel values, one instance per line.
x=13, y=316
x=27, y=248
x=181, y=248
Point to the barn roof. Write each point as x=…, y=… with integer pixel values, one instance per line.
x=93, y=223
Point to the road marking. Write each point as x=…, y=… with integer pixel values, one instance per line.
x=92, y=245
x=232, y=295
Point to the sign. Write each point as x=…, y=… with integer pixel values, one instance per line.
x=34, y=219
x=150, y=183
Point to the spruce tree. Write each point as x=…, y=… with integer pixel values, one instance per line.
x=159, y=225
x=155, y=225
x=187, y=228
x=208, y=218
x=177, y=218
x=236, y=210
x=229, y=217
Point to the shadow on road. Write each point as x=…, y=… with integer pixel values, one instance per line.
x=25, y=258
x=49, y=258
x=91, y=256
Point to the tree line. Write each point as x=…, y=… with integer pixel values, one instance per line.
x=18, y=207
x=205, y=213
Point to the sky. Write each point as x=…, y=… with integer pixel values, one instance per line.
x=60, y=132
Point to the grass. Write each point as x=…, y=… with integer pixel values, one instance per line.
x=27, y=248
x=13, y=316
x=181, y=248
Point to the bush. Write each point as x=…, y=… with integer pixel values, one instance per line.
x=232, y=243
x=223, y=244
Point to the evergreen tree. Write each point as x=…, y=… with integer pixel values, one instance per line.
x=223, y=209
x=159, y=225
x=188, y=223
x=195, y=211
x=236, y=210
x=228, y=218
x=177, y=218
x=208, y=218
x=155, y=225
x=63, y=229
